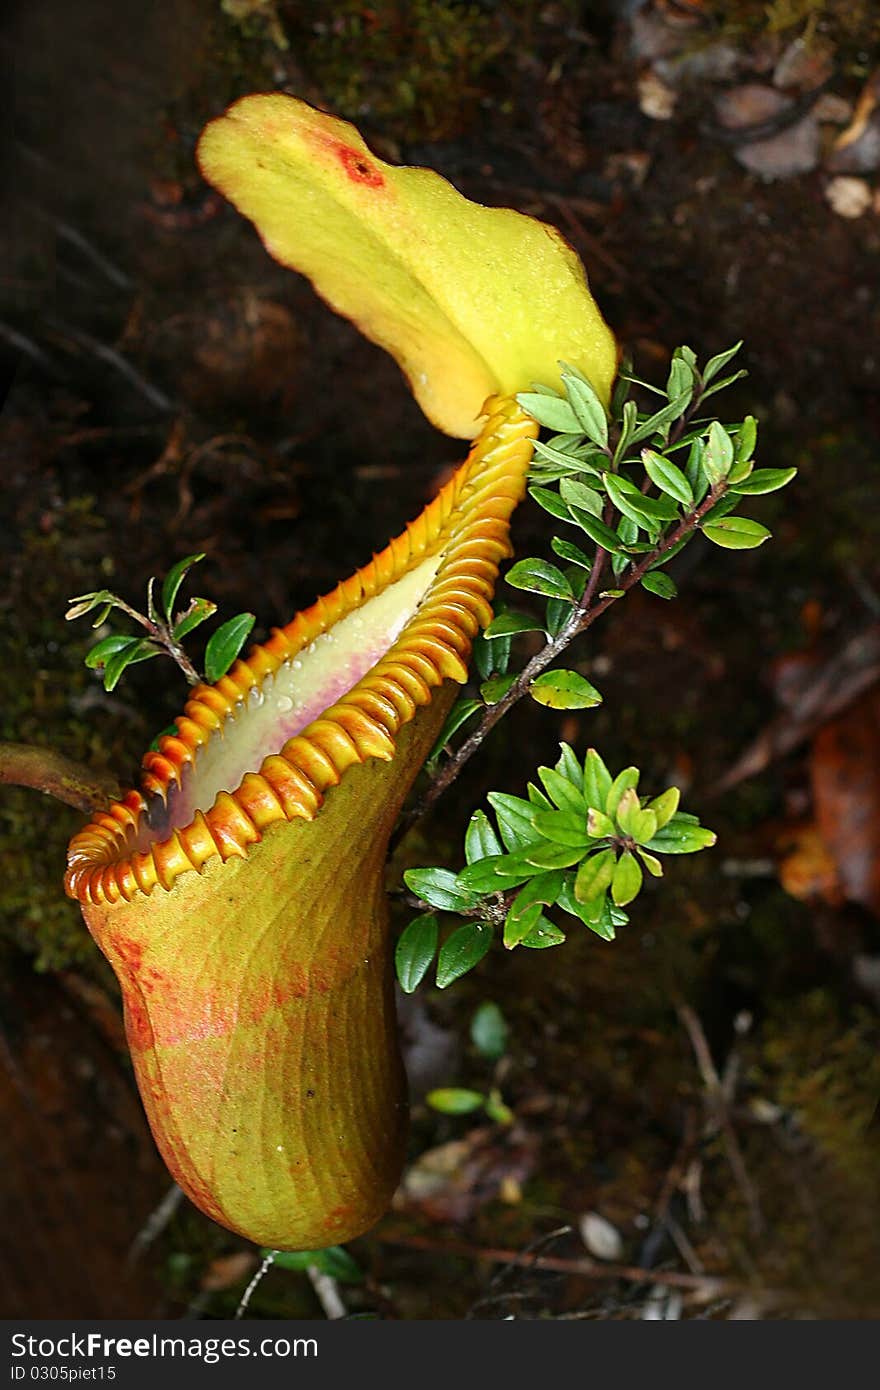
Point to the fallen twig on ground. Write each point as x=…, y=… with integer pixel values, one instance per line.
x=847, y=674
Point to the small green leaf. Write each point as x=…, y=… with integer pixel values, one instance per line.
x=539, y=577
x=656, y=582
x=627, y=881
x=621, y=388
x=680, y=381
x=514, y=819
x=717, y=363
x=644, y=826
x=671, y=552
x=491, y=658
x=137, y=649
x=640, y=825
x=597, y=780
x=564, y=690
x=558, y=611
x=339, y=1265
x=496, y=687
x=455, y=1100
x=572, y=553
x=543, y=934
x=681, y=836
x=564, y=456
x=563, y=793
x=464, y=949
x=197, y=612
x=693, y=470
x=628, y=424
x=489, y=1031
x=480, y=839
x=594, y=875
x=598, y=531
x=107, y=647
x=587, y=407
x=496, y=1110
x=660, y=422
x=550, y=855
x=627, y=530
x=551, y=502
x=717, y=454
x=556, y=616
x=723, y=383
x=628, y=778
x=597, y=914
x=508, y=624
x=569, y=766
x=628, y=505
x=496, y=873
x=519, y=924
x=152, y=611
x=84, y=603
x=225, y=644
x=746, y=439
x=562, y=827
x=727, y=503
x=637, y=381
x=662, y=508
x=665, y=806
x=651, y=864
x=416, y=950
x=739, y=472
x=103, y=614
x=736, y=533
x=542, y=890
x=173, y=580
x=765, y=480
x=463, y=710
x=599, y=826
x=668, y=477
x=440, y=888
x=575, y=494
x=537, y=797
x=552, y=412
x=332, y=1260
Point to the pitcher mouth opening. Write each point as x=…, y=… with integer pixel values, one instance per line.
x=329, y=690
x=286, y=701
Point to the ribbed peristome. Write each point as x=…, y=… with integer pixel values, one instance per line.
x=468, y=521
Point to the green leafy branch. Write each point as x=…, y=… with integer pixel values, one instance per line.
x=638, y=486
x=165, y=626
x=580, y=842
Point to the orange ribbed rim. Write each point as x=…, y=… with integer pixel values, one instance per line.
x=470, y=517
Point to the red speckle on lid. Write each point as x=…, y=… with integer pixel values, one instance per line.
x=358, y=167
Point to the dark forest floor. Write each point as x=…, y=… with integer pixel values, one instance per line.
x=176, y=391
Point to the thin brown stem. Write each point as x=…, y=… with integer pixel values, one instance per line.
x=584, y=614
x=706, y=1284
x=44, y=770
x=159, y=633
x=177, y=653
x=718, y=1114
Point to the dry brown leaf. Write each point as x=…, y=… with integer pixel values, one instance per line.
x=228, y=1270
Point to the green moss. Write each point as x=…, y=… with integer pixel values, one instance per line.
x=417, y=70
x=852, y=25
x=46, y=697
x=827, y=1073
